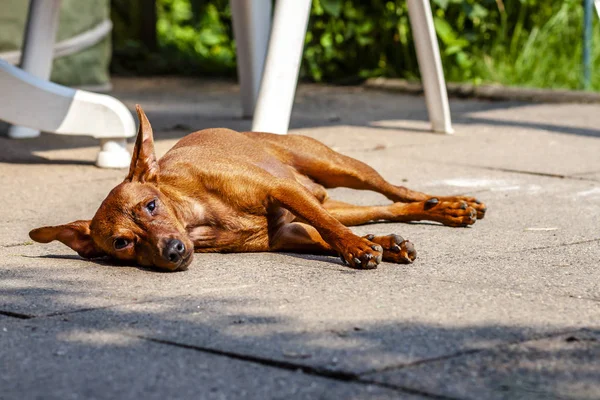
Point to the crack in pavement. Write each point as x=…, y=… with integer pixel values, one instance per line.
x=510, y=170
x=290, y=366
x=16, y=315
x=560, y=245
x=575, y=177
x=589, y=298
x=532, y=338
x=534, y=173
x=67, y=312
x=27, y=243
x=82, y=310
x=125, y=303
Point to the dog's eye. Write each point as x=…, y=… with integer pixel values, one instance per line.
x=151, y=206
x=120, y=243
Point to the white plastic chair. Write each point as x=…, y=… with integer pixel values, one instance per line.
x=33, y=103
x=268, y=65
x=270, y=100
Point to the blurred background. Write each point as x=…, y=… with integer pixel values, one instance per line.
x=533, y=43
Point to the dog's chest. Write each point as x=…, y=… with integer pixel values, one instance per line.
x=230, y=231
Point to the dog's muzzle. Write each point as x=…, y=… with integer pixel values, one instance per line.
x=176, y=254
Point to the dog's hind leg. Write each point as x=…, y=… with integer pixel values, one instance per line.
x=332, y=169
x=451, y=213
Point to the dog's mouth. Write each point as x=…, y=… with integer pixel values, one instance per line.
x=185, y=262
x=181, y=265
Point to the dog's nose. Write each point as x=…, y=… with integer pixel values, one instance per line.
x=174, y=250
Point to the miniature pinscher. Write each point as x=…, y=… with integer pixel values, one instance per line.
x=218, y=190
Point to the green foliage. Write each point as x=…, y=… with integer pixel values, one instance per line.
x=546, y=55
x=195, y=37
x=198, y=32
x=512, y=42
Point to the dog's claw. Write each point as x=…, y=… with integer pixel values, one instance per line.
x=431, y=203
x=395, y=248
x=343, y=260
x=356, y=262
x=370, y=237
x=379, y=257
x=410, y=248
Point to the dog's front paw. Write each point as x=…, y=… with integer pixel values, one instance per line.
x=395, y=248
x=362, y=253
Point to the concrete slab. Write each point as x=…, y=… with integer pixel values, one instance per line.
x=565, y=366
x=557, y=154
x=39, y=282
x=41, y=195
x=569, y=271
x=59, y=360
x=343, y=320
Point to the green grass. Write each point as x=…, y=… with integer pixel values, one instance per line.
x=551, y=56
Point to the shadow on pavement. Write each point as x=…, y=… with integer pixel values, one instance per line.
x=467, y=361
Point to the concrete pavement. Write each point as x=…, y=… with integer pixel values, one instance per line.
x=509, y=308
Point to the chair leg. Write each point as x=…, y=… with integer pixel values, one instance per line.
x=278, y=85
x=113, y=154
x=251, y=28
x=38, y=46
x=43, y=105
x=430, y=64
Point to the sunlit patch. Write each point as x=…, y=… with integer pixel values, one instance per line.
x=409, y=125
x=98, y=338
x=493, y=185
x=477, y=183
x=594, y=192
x=505, y=188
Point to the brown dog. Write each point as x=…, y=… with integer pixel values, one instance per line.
x=218, y=190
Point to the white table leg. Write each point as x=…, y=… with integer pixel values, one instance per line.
x=42, y=105
x=251, y=28
x=430, y=64
x=278, y=85
x=38, y=45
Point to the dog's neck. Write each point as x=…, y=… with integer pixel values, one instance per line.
x=189, y=211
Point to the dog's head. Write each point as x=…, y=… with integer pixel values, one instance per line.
x=135, y=223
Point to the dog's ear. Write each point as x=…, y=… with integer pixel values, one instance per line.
x=76, y=235
x=144, y=167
